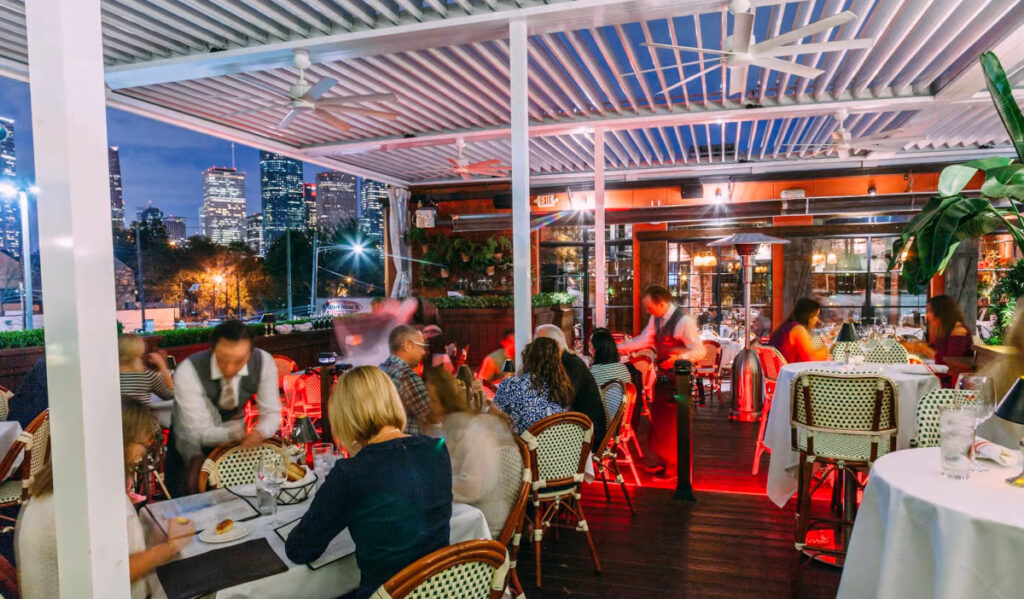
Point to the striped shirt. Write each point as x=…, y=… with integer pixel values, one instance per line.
x=140, y=385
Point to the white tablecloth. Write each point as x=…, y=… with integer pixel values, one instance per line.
x=9, y=431
x=782, y=474
x=334, y=579
x=920, y=535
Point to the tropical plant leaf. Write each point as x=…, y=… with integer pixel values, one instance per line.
x=1002, y=96
x=999, y=181
x=955, y=177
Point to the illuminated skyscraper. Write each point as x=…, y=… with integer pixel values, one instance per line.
x=373, y=196
x=284, y=206
x=223, y=211
x=336, y=198
x=10, y=210
x=177, y=232
x=150, y=214
x=254, y=233
x=116, y=197
x=309, y=197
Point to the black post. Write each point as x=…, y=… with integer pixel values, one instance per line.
x=684, y=431
x=326, y=382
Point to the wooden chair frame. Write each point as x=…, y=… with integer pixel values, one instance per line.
x=551, y=496
x=511, y=534
x=709, y=368
x=605, y=454
x=28, y=441
x=406, y=582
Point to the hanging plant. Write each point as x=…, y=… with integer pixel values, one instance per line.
x=929, y=240
x=444, y=273
x=490, y=270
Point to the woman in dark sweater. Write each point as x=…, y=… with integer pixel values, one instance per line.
x=394, y=494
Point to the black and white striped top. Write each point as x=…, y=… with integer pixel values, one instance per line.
x=140, y=385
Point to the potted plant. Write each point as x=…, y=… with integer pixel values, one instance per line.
x=504, y=244
x=444, y=272
x=927, y=243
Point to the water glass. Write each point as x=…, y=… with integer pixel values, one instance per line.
x=956, y=437
x=270, y=473
x=981, y=396
x=322, y=453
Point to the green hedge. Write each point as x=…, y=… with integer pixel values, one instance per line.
x=540, y=300
x=173, y=337
x=11, y=339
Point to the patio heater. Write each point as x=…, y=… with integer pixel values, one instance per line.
x=747, y=379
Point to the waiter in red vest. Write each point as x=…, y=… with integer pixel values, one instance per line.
x=673, y=335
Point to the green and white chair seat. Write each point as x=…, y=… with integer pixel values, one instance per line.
x=468, y=570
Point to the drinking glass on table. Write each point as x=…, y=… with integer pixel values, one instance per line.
x=982, y=398
x=956, y=437
x=323, y=459
x=270, y=473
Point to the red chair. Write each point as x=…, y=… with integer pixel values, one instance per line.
x=285, y=365
x=771, y=364
x=709, y=368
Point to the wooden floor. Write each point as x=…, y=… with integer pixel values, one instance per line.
x=733, y=542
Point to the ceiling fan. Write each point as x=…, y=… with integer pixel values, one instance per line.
x=462, y=167
x=741, y=51
x=305, y=97
x=845, y=144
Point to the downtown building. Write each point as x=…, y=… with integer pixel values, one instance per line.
x=116, y=193
x=309, y=215
x=373, y=197
x=150, y=215
x=223, y=212
x=10, y=208
x=282, y=196
x=337, y=199
x=254, y=233
x=177, y=232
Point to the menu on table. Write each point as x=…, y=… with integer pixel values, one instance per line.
x=205, y=509
x=341, y=546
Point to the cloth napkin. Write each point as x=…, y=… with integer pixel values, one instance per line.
x=983, y=448
x=916, y=368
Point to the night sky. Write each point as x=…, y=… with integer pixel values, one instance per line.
x=160, y=163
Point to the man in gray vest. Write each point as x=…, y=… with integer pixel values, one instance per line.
x=211, y=390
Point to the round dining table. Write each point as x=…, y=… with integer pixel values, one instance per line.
x=912, y=381
x=921, y=535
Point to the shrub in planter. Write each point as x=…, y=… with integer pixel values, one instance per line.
x=13, y=339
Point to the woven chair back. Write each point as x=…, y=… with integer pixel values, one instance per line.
x=515, y=484
x=559, y=446
x=928, y=410
x=712, y=360
x=285, y=365
x=887, y=353
x=232, y=465
x=771, y=360
x=844, y=416
x=468, y=570
x=842, y=349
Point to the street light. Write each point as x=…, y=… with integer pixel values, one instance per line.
x=317, y=250
x=8, y=190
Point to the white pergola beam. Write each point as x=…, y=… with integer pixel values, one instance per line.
x=600, y=255
x=521, y=284
x=69, y=126
x=414, y=35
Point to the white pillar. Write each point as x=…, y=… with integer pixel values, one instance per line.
x=600, y=254
x=69, y=124
x=523, y=289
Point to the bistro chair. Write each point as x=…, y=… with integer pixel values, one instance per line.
x=709, y=368
x=559, y=449
x=515, y=482
x=618, y=400
x=5, y=402
x=230, y=465
x=844, y=422
x=8, y=580
x=301, y=396
x=928, y=410
x=468, y=570
x=772, y=362
x=34, y=441
x=285, y=365
x=842, y=349
x=887, y=353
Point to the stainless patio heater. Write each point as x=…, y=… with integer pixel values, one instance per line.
x=747, y=379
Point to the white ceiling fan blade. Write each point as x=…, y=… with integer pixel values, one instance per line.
x=288, y=118
x=787, y=67
x=269, y=88
x=686, y=80
x=835, y=46
x=760, y=3
x=331, y=120
x=802, y=32
x=484, y=163
x=380, y=114
x=669, y=66
x=686, y=48
x=320, y=88
x=252, y=110
x=384, y=97
x=742, y=30
x=737, y=79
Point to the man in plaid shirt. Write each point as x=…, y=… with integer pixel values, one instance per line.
x=407, y=351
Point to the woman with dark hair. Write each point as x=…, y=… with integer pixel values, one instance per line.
x=540, y=389
x=606, y=366
x=947, y=335
x=793, y=337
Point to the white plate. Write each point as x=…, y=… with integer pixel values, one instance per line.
x=240, y=530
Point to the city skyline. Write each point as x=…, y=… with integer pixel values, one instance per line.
x=281, y=195
x=223, y=211
x=10, y=210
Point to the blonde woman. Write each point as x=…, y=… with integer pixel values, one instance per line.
x=136, y=368
x=394, y=493
x=35, y=539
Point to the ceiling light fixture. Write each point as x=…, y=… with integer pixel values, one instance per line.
x=872, y=191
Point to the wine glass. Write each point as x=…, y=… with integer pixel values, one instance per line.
x=982, y=397
x=269, y=476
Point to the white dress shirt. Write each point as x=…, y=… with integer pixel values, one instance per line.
x=686, y=333
x=197, y=422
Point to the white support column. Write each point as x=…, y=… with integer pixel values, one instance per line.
x=600, y=254
x=523, y=289
x=69, y=124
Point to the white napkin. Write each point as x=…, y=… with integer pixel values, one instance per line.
x=983, y=448
x=916, y=368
